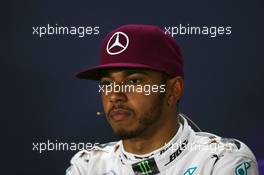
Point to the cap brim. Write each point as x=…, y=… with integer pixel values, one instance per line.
x=95, y=73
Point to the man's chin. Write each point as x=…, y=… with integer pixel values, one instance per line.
x=125, y=134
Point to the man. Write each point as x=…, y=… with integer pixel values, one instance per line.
x=141, y=75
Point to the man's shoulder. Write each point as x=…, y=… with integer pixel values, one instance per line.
x=82, y=159
x=96, y=150
x=232, y=154
x=222, y=144
x=226, y=155
x=225, y=149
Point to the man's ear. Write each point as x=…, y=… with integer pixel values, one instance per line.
x=175, y=90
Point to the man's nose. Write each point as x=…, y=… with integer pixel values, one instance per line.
x=117, y=97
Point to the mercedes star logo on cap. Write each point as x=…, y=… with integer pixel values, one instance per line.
x=117, y=46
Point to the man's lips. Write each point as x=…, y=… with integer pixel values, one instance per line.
x=120, y=114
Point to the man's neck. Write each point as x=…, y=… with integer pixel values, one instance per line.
x=154, y=138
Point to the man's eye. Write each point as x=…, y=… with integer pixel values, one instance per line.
x=134, y=81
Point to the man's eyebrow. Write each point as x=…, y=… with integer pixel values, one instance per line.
x=126, y=72
x=136, y=71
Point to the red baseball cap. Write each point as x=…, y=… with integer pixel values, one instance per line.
x=137, y=46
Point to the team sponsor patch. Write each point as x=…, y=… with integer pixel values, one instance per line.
x=145, y=167
x=242, y=168
x=175, y=154
x=190, y=171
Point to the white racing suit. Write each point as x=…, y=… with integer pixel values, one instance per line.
x=188, y=153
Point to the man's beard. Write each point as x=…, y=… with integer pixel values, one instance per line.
x=148, y=119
